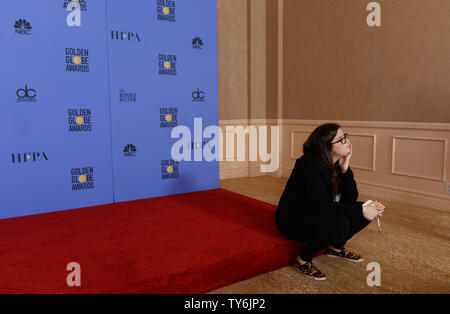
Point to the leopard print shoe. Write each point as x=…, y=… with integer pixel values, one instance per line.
x=347, y=255
x=309, y=270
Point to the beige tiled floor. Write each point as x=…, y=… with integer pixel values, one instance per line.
x=412, y=251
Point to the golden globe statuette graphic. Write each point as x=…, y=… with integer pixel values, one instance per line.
x=82, y=178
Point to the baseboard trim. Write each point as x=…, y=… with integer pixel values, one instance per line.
x=233, y=170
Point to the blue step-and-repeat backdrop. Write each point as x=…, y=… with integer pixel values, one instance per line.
x=90, y=92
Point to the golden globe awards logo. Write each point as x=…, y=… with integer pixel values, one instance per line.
x=165, y=10
x=168, y=117
x=169, y=169
x=167, y=64
x=80, y=120
x=82, y=178
x=77, y=60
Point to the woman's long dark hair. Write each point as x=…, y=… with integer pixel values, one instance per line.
x=319, y=144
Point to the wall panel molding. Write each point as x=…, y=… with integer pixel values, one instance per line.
x=374, y=151
x=435, y=154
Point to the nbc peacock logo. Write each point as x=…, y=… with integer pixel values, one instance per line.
x=197, y=43
x=22, y=27
x=165, y=10
x=129, y=150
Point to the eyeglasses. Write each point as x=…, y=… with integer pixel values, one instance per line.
x=343, y=140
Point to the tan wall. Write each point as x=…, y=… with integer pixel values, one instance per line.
x=232, y=30
x=247, y=55
x=272, y=60
x=337, y=67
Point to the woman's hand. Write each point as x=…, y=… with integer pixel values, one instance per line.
x=345, y=161
x=370, y=212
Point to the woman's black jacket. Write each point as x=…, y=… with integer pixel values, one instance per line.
x=308, y=195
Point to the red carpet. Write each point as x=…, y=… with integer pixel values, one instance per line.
x=186, y=243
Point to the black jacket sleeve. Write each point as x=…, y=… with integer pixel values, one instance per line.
x=321, y=200
x=347, y=186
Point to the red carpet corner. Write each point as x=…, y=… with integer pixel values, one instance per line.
x=187, y=243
